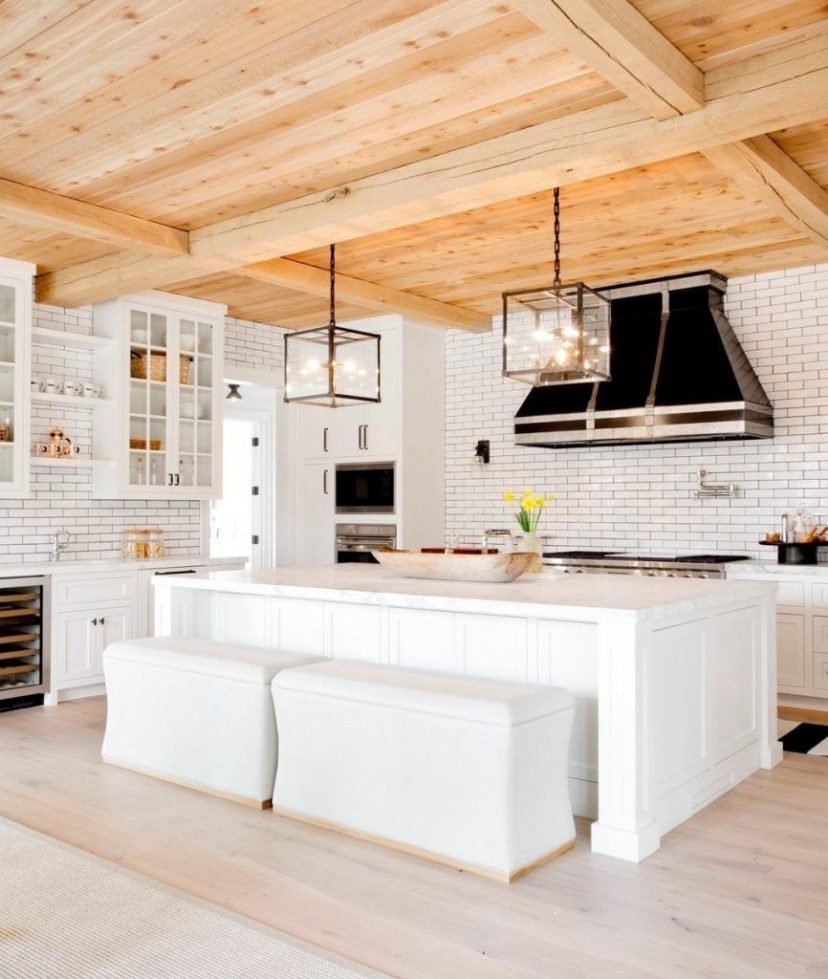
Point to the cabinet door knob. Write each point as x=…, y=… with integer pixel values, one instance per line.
x=94, y=621
x=102, y=620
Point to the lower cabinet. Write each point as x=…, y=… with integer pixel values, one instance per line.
x=81, y=637
x=790, y=650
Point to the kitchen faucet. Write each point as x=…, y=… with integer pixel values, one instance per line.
x=60, y=542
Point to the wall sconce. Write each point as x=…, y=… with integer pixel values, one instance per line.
x=482, y=452
x=234, y=393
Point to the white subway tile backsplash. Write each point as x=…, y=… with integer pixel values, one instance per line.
x=641, y=496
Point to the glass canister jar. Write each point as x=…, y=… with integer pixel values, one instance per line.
x=140, y=543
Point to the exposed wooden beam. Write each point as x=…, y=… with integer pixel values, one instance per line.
x=43, y=209
x=624, y=47
x=369, y=295
x=785, y=88
x=618, y=42
x=761, y=167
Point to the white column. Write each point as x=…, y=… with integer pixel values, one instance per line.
x=771, y=747
x=626, y=826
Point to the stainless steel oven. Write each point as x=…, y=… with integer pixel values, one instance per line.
x=365, y=488
x=354, y=541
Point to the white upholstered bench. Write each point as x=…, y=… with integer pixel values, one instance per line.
x=470, y=772
x=195, y=712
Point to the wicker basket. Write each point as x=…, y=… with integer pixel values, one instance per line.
x=154, y=444
x=158, y=367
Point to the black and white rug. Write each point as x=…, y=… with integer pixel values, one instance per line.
x=805, y=739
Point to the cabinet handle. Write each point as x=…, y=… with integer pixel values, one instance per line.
x=324, y=439
x=365, y=438
x=361, y=427
x=171, y=479
x=325, y=481
x=177, y=479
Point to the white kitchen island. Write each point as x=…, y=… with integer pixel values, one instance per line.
x=674, y=678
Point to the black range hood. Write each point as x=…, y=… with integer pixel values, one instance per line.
x=678, y=375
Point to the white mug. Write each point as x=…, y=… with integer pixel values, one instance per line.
x=91, y=390
x=53, y=385
x=72, y=387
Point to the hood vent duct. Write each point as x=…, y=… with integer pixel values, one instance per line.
x=678, y=375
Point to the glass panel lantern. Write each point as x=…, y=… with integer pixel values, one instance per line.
x=332, y=366
x=556, y=335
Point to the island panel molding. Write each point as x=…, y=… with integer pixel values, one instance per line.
x=683, y=670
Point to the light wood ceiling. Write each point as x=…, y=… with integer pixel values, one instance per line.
x=172, y=143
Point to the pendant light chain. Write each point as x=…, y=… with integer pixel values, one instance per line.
x=557, y=226
x=333, y=285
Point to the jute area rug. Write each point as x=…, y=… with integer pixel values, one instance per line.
x=67, y=914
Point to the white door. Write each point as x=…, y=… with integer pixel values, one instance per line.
x=316, y=532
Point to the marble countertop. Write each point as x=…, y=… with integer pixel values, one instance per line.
x=69, y=566
x=550, y=594
x=772, y=568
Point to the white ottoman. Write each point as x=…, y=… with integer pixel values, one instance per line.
x=195, y=712
x=470, y=772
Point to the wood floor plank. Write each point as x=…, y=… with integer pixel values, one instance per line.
x=738, y=891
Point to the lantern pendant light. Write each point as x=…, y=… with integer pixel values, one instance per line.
x=332, y=365
x=558, y=334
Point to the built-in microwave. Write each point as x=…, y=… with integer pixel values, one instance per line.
x=365, y=488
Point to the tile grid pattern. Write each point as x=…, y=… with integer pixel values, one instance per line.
x=641, y=496
x=61, y=500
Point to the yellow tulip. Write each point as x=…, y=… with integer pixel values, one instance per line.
x=508, y=497
x=539, y=501
x=528, y=503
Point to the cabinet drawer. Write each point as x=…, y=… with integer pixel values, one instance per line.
x=791, y=594
x=92, y=589
x=819, y=595
x=821, y=671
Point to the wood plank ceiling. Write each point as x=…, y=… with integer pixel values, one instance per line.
x=173, y=143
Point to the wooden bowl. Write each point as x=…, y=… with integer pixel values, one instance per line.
x=496, y=567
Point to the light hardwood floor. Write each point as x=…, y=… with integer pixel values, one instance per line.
x=738, y=891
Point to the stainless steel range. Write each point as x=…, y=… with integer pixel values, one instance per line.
x=612, y=562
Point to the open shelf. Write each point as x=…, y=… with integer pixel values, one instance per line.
x=77, y=462
x=71, y=400
x=41, y=334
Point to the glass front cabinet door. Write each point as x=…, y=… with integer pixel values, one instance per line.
x=16, y=280
x=169, y=428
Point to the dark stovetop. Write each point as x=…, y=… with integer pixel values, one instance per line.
x=664, y=559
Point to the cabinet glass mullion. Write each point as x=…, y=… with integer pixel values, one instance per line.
x=149, y=342
x=10, y=309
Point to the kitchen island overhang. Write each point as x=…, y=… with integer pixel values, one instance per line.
x=674, y=679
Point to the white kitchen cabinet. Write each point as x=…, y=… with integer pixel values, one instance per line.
x=165, y=372
x=15, y=374
x=82, y=635
x=801, y=628
x=316, y=543
x=406, y=429
x=790, y=651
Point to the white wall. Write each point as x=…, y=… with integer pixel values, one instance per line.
x=61, y=500
x=640, y=496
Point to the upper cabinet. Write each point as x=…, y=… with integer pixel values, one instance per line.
x=164, y=439
x=16, y=280
x=369, y=432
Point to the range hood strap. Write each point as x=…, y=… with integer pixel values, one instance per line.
x=665, y=316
